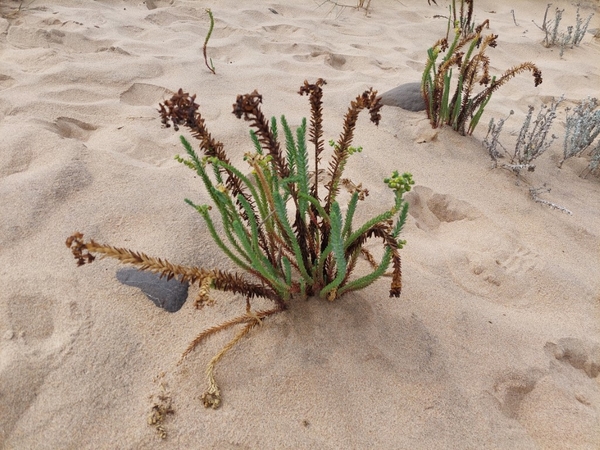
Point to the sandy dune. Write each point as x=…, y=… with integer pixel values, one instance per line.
x=495, y=341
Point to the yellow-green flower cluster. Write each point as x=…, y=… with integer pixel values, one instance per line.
x=400, y=183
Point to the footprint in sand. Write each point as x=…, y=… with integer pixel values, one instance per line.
x=6, y=81
x=153, y=4
x=34, y=183
x=581, y=355
x=335, y=60
x=510, y=390
x=70, y=128
x=143, y=94
x=283, y=29
x=522, y=260
x=24, y=37
x=562, y=400
x=494, y=260
x=431, y=209
x=348, y=30
x=291, y=48
x=480, y=256
x=164, y=18
x=32, y=327
x=307, y=53
x=70, y=95
x=31, y=347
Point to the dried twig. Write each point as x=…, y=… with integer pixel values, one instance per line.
x=534, y=195
x=513, y=16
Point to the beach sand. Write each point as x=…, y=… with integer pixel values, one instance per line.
x=495, y=340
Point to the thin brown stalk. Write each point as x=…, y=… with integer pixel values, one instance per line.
x=383, y=231
x=246, y=318
x=369, y=100
x=315, y=94
x=537, y=76
x=212, y=397
x=223, y=281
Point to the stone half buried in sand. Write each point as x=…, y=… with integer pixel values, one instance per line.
x=406, y=96
x=167, y=294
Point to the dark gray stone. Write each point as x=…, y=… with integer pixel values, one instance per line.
x=169, y=295
x=406, y=96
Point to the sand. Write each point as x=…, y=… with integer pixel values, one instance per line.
x=495, y=341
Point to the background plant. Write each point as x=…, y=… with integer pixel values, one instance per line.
x=10, y=11
x=595, y=160
x=491, y=144
x=535, y=196
x=472, y=67
x=572, y=37
x=531, y=143
x=462, y=20
x=581, y=129
x=363, y=4
x=210, y=66
x=281, y=225
x=341, y=6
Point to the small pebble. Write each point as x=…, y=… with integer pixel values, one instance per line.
x=406, y=96
x=168, y=295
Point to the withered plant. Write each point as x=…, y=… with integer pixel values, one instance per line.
x=464, y=19
x=531, y=143
x=582, y=127
x=463, y=109
x=573, y=35
x=281, y=224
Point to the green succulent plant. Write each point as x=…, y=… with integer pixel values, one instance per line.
x=281, y=225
